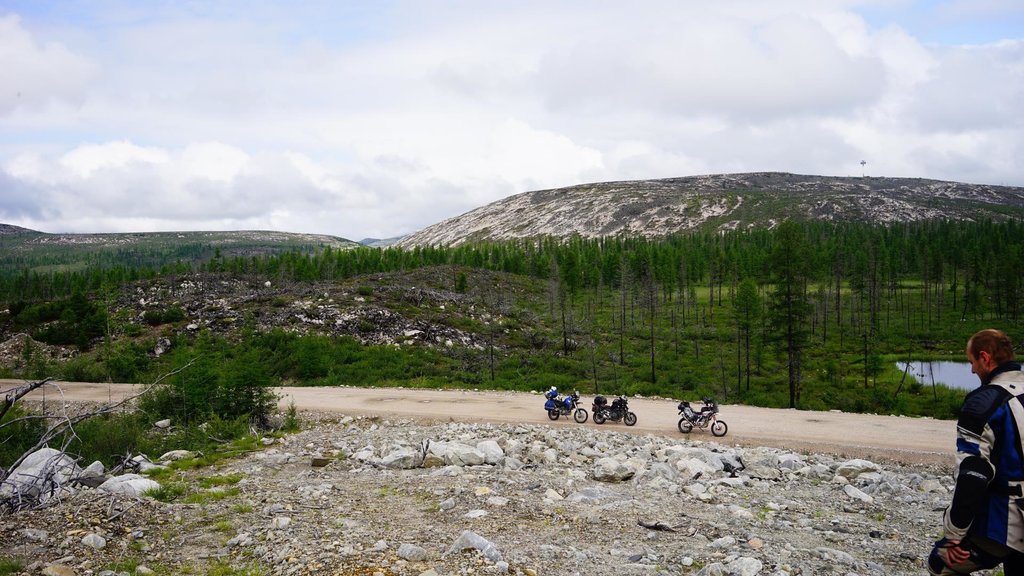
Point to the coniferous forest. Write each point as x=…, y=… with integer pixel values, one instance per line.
x=806, y=315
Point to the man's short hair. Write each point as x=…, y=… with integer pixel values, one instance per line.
x=993, y=341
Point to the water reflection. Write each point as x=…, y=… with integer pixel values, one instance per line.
x=952, y=374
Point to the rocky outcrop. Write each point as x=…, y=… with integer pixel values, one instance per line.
x=719, y=202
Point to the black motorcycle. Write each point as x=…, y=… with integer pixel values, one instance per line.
x=618, y=410
x=708, y=415
x=564, y=406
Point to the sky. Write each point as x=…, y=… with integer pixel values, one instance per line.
x=377, y=118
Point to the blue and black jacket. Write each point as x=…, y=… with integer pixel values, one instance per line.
x=988, y=500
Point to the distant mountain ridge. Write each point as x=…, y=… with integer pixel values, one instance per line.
x=9, y=229
x=41, y=251
x=225, y=238
x=380, y=242
x=719, y=202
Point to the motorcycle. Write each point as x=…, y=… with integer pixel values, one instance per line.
x=618, y=410
x=564, y=406
x=708, y=415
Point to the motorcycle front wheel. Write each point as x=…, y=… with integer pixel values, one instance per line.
x=581, y=415
x=629, y=418
x=684, y=426
x=599, y=418
x=719, y=428
x=553, y=414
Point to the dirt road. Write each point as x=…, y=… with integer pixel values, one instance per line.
x=879, y=438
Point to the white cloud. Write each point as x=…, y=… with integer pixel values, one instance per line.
x=83, y=161
x=382, y=119
x=37, y=75
x=972, y=89
x=212, y=161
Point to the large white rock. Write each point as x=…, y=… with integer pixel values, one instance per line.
x=744, y=566
x=612, y=470
x=94, y=541
x=455, y=454
x=43, y=475
x=857, y=494
x=175, y=455
x=404, y=458
x=853, y=468
x=491, y=450
x=693, y=468
x=129, y=484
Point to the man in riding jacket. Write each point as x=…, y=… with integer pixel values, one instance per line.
x=984, y=524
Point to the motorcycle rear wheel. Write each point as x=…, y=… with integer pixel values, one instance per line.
x=580, y=415
x=719, y=428
x=599, y=418
x=684, y=426
x=553, y=414
x=629, y=418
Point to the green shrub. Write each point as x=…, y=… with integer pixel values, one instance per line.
x=127, y=361
x=188, y=396
x=74, y=321
x=110, y=437
x=292, y=423
x=83, y=369
x=245, y=388
x=20, y=429
x=168, y=316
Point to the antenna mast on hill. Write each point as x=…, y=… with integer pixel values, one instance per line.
x=862, y=163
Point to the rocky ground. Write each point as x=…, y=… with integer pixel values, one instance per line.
x=362, y=495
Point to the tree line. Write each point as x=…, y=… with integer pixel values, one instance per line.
x=815, y=307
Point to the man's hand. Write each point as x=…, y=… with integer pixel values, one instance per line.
x=955, y=554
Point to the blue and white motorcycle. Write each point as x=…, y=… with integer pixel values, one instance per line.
x=557, y=407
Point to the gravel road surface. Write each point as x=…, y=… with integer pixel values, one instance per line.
x=878, y=437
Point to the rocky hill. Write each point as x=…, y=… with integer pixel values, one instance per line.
x=9, y=229
x=720, y=202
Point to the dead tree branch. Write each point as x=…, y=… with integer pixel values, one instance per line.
x=67, y=423
x=18, y=393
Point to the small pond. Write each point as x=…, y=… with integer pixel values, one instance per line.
x=952, y=374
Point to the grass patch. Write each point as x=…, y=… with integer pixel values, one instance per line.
x=226, y=480
x=9, y=566
x=167, y=492
x=211, y=496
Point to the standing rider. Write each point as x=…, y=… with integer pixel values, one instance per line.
x=984, y=524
